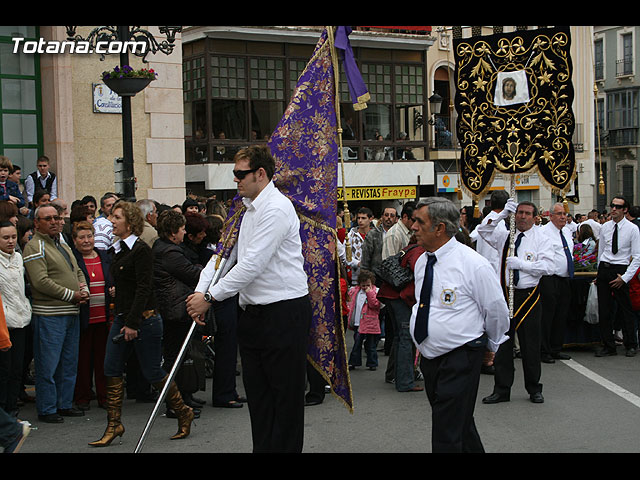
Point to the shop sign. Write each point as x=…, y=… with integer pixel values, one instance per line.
x=378, y=193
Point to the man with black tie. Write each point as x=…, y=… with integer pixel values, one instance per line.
x=618, y=261
x=555, y=289
x=532, y=260
x=460, y=312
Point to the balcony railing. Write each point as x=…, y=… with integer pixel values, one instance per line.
x=624, y=66
x=623, y=137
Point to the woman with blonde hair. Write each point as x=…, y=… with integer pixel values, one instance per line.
x=137, y=324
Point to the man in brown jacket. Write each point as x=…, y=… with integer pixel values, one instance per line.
x=58, y=286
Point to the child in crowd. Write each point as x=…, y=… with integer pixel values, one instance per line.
x=364, y=309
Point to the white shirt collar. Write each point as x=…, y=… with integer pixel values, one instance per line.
x=130, y=240
x=256, y=202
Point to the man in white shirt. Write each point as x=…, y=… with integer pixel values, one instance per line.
x=532, y=259
x=462, y=313
x=498, y=200
x=400, y=233
x=592, y=221
x=572, y=226
x=618, y=261
x=272, y=285
x=555, y=289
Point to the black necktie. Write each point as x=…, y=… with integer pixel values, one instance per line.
x=516, y=273
x=422, y=317
x=567, y=254
x=614, y=244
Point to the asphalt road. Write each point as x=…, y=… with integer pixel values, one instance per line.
x=592, y=405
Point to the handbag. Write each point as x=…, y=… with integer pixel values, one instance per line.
x=392, y=272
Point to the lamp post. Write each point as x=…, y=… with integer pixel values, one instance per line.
x=129, y=39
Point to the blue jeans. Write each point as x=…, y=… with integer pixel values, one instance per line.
x=55, y=353
x=148, y=347
x=369, y=340
x=10, y=429
x=403, y=345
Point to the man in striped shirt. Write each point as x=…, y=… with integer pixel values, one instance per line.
x=58, y=287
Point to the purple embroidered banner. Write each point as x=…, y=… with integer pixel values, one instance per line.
x=305, y=148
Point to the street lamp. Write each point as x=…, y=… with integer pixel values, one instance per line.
x=133, y=36
x=435, y=102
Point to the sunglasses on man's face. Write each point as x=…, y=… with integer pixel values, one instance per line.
x=616, y=205
x=240, y=174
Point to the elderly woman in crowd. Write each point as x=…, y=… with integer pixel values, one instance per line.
x=175, y=278
x=137, y=324
x=94, y=316
x=17, y=311
x=194, y=240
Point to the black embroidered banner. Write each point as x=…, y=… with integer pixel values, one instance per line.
x=513, y=99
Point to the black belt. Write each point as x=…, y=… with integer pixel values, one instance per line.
x=257, y=308
x=612, y=265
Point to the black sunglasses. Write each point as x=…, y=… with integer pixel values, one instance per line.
x=240, y=174
x=616, y=205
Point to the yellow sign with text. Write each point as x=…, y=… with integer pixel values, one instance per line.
x=378, y=193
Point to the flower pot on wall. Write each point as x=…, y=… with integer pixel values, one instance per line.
x=127, y=86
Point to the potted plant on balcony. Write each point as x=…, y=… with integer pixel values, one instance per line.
x=126, y=81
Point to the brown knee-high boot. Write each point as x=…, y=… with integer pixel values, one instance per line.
x=183, y=412
x=115, y=395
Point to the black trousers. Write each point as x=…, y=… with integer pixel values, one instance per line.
x=555, y=294
x=606, y=298
x=451, y=382
x=225, y=344
x=273, y=343
x=529, y=337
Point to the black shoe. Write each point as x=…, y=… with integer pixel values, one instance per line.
x=495, y=398
x=488, y=369
x=231, y=404
x=536, y=397
x=545, y=358
x=51, y=418
x=561, y=356
x=70, y=412
x=241, y=399
x=605, y=352
x=631, y=352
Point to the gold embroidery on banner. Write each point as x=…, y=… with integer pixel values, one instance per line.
x=519, y=137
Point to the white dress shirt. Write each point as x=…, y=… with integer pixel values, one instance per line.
x=483, y=248
x=560, y=267
x=270, y=265
x=628, y=246
x=535, y=252
x=466, y=301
